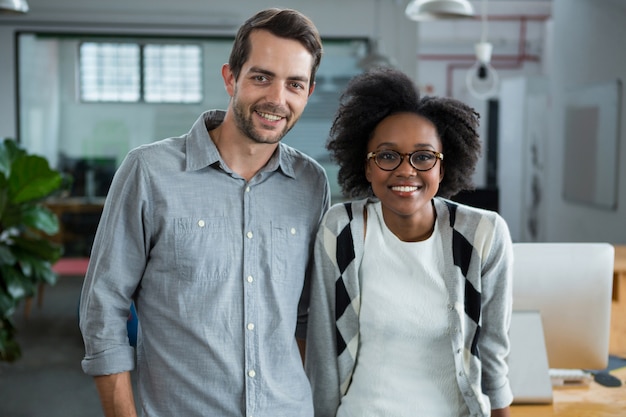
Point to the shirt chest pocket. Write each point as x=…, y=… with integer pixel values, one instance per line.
x=290, y=252
x=203, y=248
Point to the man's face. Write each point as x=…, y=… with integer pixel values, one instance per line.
x=273, y=87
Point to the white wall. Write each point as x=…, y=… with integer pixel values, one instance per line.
x=588, y=49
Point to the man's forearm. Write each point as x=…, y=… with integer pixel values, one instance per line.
x=116, y=395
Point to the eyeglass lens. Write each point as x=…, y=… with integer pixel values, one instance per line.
x=420, y=160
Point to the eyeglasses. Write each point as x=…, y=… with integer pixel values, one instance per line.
x=422, y=160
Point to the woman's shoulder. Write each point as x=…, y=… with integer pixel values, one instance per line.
x=468, y=219
x=340, y=214
x=463, y=210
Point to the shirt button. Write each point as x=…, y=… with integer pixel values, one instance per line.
x=248, y=189
x=249, y=279
x=249, y=235
x=250, y=326
x=201, y=223
x=251, y=373
x=293, y=230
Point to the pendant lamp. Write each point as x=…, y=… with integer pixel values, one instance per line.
x=482, y=78
x=13, y=6
x=423, y=10
x=374, y=57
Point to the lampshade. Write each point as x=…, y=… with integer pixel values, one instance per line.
x=374, y=58
x=482, y=78
x=13, y=6
x=421, y=10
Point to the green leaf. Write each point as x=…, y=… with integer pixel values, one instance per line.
x=7, y=306
x=4, y=195
x=9, y=348
x=32, y=179
x=47, y=275
x=40, y=218
x=17, y=285
x=6, y=256
x=26, y=248
x=5, y=157
x=26, y=251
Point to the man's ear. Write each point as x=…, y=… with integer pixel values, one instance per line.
x=229, y=80
x=312, y=88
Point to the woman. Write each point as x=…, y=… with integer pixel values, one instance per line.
x=411, y=293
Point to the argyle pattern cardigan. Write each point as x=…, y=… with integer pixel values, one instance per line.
x=477, y=251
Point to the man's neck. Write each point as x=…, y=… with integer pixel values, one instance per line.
x=240, y=153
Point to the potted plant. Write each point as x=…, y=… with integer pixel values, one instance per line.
x=27, y=252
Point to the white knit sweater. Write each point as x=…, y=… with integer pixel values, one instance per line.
x=477, y=254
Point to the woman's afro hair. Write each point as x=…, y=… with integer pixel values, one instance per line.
x=371, y=97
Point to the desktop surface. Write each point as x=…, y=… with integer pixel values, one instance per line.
x=593, y=401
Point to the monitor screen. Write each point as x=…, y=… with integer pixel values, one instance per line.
x=91, y=176
x=570, y=284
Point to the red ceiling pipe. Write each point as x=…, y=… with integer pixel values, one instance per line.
x=497, y=61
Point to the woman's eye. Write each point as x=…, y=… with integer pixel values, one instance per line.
x=425, y=156
x=388, y=156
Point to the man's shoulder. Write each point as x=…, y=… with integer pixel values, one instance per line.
x=159, y=150
x=299, y=159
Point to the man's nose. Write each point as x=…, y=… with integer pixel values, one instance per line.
x=276, y=93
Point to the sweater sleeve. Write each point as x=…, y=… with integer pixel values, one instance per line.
x=321, y=348
x=497, y=279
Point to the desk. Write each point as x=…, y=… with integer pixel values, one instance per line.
x=617, y=345
x=594, y=401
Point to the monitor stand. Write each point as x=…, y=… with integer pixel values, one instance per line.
x=528, y=360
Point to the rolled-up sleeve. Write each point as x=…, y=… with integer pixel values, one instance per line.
x=115, y=269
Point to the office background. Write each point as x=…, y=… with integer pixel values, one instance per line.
x=545, y=52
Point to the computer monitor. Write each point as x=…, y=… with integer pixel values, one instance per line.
x=570, y=284
x=91, y=176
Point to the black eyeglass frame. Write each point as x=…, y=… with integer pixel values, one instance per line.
x=438, y=156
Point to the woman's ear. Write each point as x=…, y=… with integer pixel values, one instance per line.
x=368, y=171
x=441, y=172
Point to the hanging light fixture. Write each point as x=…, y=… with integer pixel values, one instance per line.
x=13, y=6
x=482, y=78
x=374, y=58
x=422, y=10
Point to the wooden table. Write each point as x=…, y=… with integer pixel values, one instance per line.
x=617, y=345
x=593, y=401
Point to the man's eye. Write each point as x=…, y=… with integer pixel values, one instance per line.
x=298, y=86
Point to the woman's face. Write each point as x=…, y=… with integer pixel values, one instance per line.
x=405, y=192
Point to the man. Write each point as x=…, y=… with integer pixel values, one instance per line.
x=210, y=235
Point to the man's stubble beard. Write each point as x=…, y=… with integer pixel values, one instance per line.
x=246, y=125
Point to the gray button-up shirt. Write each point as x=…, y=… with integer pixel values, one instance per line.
x=216, y=267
